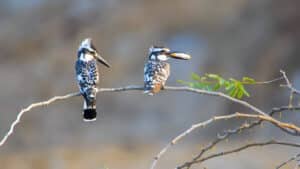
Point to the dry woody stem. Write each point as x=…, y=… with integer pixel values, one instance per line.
x=136, y=88
x=230, y=132
x=260, y=116
x=216, y=118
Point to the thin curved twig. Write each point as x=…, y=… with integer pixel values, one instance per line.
x=216, y=118
x=297, y=156
x=34, y=105
x=248, y=146
x=269, y=81
x=133, y=88
x=56, y=98
x=289, y=86
x=230, y=132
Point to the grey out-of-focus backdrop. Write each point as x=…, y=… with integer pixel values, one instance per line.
x=234, y=38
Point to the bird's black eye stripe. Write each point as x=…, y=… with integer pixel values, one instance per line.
x=81, y=51
x=91, y=52
x=156, y=52
x=84, y=50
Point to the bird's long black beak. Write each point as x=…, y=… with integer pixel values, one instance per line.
x=102, y=60
x=179, y=55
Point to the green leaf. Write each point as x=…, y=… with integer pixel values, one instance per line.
x=222, y=82
x=233, y=80
x=213, y=82
x=240, y=94
x=244, y=91
x=216, y=87
x=229, y=86
x=196, y=77
x=209, y=88
x=236, y=91
x=231, y=92
x=203, y=78
x=213, y=76
x=248, y=80
x=193, y=85
x=199, y=85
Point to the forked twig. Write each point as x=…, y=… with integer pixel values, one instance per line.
x=216, y=118
x=271, y=142
x=289, y=86
x=230, y=132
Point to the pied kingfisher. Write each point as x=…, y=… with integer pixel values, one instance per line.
x=87, y=77
x=157, y=70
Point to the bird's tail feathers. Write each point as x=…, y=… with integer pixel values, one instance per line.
x=89, y=115
x=89, y=110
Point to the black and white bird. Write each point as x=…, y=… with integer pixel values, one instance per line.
x=87, y=76
x=157, y=70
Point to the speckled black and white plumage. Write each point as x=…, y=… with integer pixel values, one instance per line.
x=156, y=74
x=87, y=77
x=157, y=70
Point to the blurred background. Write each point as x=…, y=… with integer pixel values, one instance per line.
x=233, y=38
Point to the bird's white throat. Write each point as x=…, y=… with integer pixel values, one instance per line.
x=86, y=57
x=162, y=57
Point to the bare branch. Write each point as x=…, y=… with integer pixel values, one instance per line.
x=288, y=161
x=216, y=118
x=270, y=81
x=56, y=98
x=262, y=115
x=34, y=105
x=247, y=146
x=244, y=126
x=228, y=133
x=241, y=102
x=121, y=89
x=127, y=88
x=219, y=94
x=289, y=86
